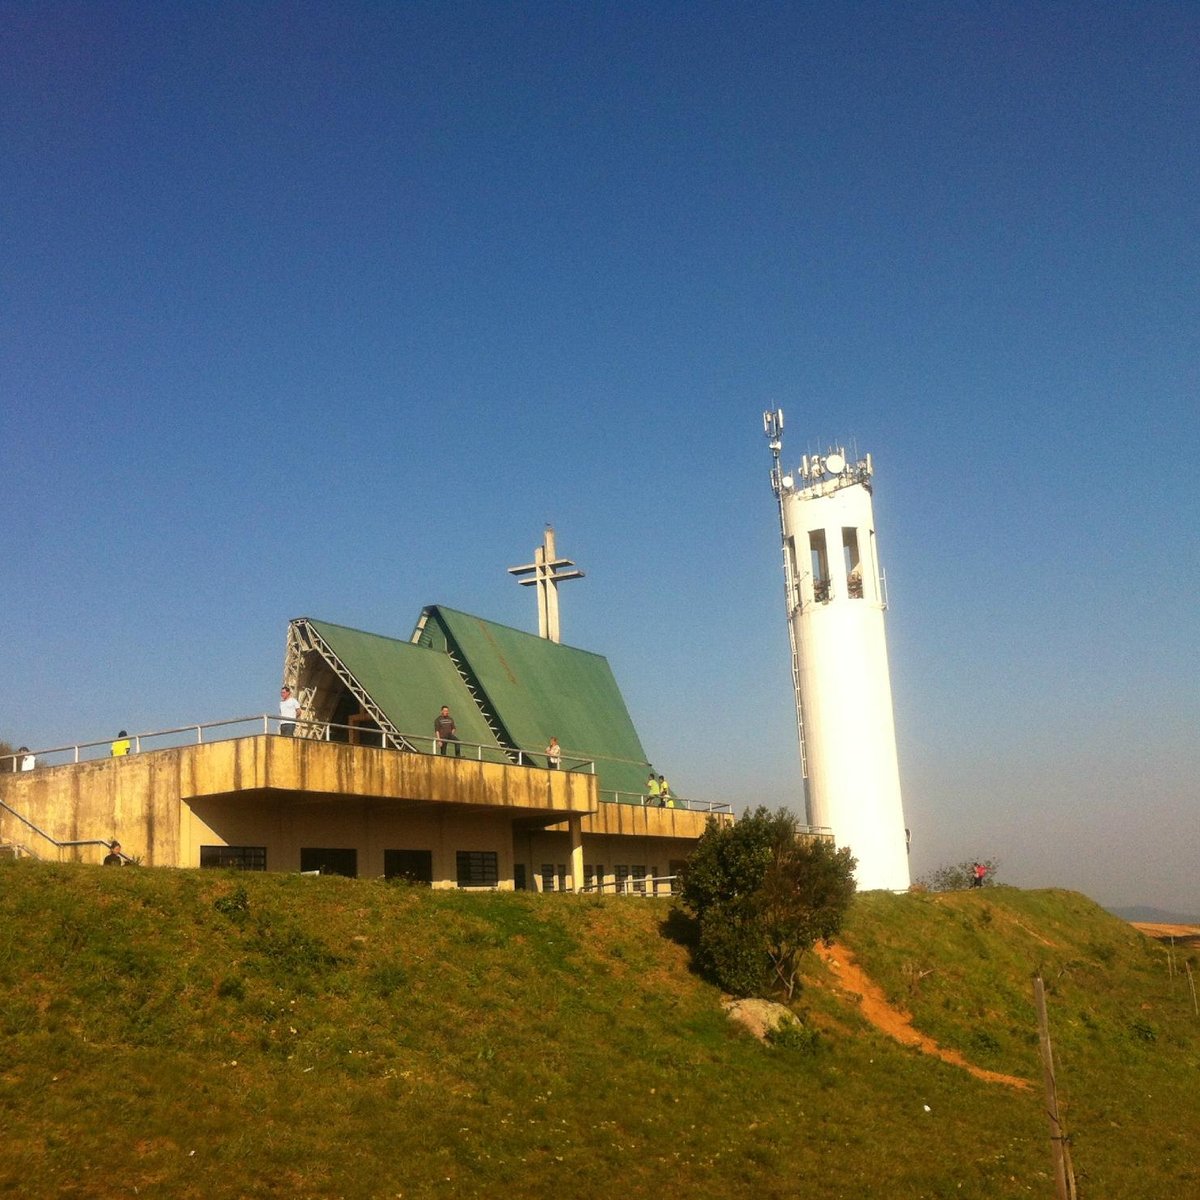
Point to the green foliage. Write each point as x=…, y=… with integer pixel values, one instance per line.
x=796, y=1037
x=955, y=877
x=731, y=951
x=292, y=955
x=762, y=896
x=232, y=988
x=568, y=1045
x=236, y=904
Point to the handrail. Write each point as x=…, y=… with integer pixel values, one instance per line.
x=681, y=802
x=49, y=837
x=268, y=723
x=645, y=886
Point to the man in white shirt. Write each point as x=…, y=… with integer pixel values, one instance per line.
x=289, y=709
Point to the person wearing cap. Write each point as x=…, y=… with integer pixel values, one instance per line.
x=113, y=857
x=289, y=709
x=120, y=747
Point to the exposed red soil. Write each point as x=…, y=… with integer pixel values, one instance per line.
x=896, y=1023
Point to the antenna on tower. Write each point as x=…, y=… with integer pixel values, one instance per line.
x=773, y=428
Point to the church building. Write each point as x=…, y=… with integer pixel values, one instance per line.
x=362, y=782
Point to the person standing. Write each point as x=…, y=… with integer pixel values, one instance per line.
x=664, y=793
x=977, y=875
x=652, y=792
x=120, y=747
x=113, y=857
x=554, y=754
x=289, y=710
x=28, y=761
x=444, y=730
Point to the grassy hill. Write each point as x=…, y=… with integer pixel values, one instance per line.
x=206, y=1034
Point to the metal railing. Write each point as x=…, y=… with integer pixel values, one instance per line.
x=49, y=837
x=645, y=886
x=232, y=728
x=327, y=731
x=642, y=800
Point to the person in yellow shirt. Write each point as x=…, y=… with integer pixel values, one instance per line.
x=120, y=747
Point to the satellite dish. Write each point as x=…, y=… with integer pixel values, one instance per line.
x=835, y=464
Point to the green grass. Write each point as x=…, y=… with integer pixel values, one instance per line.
x=208, y=1034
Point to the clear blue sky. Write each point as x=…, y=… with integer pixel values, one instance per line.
x=325, y=309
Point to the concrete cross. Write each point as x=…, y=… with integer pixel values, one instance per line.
x=546, y=575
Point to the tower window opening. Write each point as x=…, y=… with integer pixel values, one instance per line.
x=820, y=564
x=852, y=563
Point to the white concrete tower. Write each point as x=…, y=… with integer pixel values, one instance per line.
x=835, y=605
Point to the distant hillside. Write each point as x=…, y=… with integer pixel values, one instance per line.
x=1153, y=916
x=203, y=1034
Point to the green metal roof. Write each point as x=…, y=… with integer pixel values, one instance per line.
x=529, y=687
x=410, y=683
x=536, y=688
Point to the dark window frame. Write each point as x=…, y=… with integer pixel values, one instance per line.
x=233, y=858
x=477, y=868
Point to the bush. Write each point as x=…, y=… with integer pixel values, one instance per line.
x=955, y=877
x=730, y=951
x=762, y=896
x=795, y=1036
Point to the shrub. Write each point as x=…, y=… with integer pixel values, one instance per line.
x=762, y=896
x=955, y=877
x=794, y=1036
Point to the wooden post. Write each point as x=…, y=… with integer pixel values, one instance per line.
x=1192, y=985
x=1064, y=1176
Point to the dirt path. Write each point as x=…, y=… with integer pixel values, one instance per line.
x=892, y=1021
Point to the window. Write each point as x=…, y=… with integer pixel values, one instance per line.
x=621, y=873
x=236, y=858
x=639, y=879
x=852, y=563
x=316, y=860
x=562, y=878
x=593, y=877
x=519, y=881
x=547, y=874
x=413, y=866
x=478, y=868
x=819, y=557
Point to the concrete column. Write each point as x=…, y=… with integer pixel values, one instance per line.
x=575, y=826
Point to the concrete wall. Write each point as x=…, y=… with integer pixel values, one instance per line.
x=286, y=794
x=133, y=799
x=370, y=827
x=617, y=835
x=162, y=805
